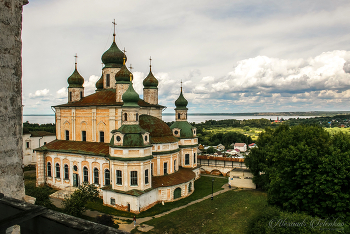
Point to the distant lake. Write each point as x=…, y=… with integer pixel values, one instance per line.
x=167, y=117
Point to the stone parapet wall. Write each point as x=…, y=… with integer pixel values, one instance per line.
x=11, y=154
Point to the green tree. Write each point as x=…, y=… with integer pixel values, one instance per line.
x=211, y=150
x=303, y=168
x=75, y=204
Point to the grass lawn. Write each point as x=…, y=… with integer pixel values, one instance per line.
x=202, y=188
x=335, y=130
x=227, y=213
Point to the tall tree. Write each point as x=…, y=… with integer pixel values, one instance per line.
x=303, y=168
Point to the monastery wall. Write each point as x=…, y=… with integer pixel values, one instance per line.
x=11, y=172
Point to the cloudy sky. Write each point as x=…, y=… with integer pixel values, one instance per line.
x=233, y=56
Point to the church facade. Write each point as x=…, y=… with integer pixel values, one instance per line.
x=118, y=142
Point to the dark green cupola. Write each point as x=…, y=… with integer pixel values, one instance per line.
x=75, y=80
x=123, y=75
x=181, y=102
x=99, y=84
x=113, y=57
x=130, y=97
x=150, y=81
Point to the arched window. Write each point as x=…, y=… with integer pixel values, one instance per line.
x=108, y=80
x=70, y=96
x=49, y=169
x=194, y=158
x=96, y=179
x=107, y=177
x=137, y=117
x=81, y=94
x=174, y=165
x=177, y=193
x=125, y=116
x=178, y=115
x=66, y=172
x=86, y=174
x=58, y=174
x=190, y=187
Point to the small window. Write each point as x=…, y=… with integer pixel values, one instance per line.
x=119, y=177
x=165, y=168
x=137, y=117
x=28, y=145
x=190, y=187
x=81, y=94
x=187, y=159
x=194, y=158
x=175, y=165
x=86, y=174
x=70, y=96
x=96, y=179
x=194, y=132
x=58, y=174
x=112, y=201
x=67, y=135
x=83, y=135
x=178, y=115
x=44, y=143
x=126, y=116
x=151, y=169
x=146, y=176
x=102, y=136
x=107, y=177
x=75, y=168
x=133, y=178
x=146, y=138
x=49, y=169
x=176, y=132
x=66, y=172
x=108, y=80
x=118, y=138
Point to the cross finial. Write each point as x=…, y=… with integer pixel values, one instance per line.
x=131, y=67
x=181, y=86
x=150, y=63
x=124, y=51
x=76, y=60
x=114, y=24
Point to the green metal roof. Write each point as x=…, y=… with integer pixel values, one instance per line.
x=150, y=81
x=130, y=97
x=186, y=129
x=99, y=83
x=113, y=57
x=75, y=80
x=181, y=102
x=132, y=136
x=123, y=74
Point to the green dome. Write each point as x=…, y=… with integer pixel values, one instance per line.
x=150, y=81
x=99, y=83
x=181, y=102
x=186, y=129
x=123, y=74
x=132, y=136
x=130, y=97
x=75, y=80
x=113, y=57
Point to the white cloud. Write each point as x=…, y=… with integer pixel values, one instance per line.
x=62, y=93
x=39, y=93
x=90, y=85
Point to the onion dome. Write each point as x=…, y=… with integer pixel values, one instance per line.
x=130, y=97
x=123, y=74
x=150, y=81
x=113, y=57
x=186, y=129
x=75, y=80
x=99, y=83
x=181, y=102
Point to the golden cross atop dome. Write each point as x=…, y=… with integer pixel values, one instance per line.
x=114, y=24
x=76, y=60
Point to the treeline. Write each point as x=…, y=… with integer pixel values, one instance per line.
x=334, y=121
x=254, y=123
x=28, y=127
